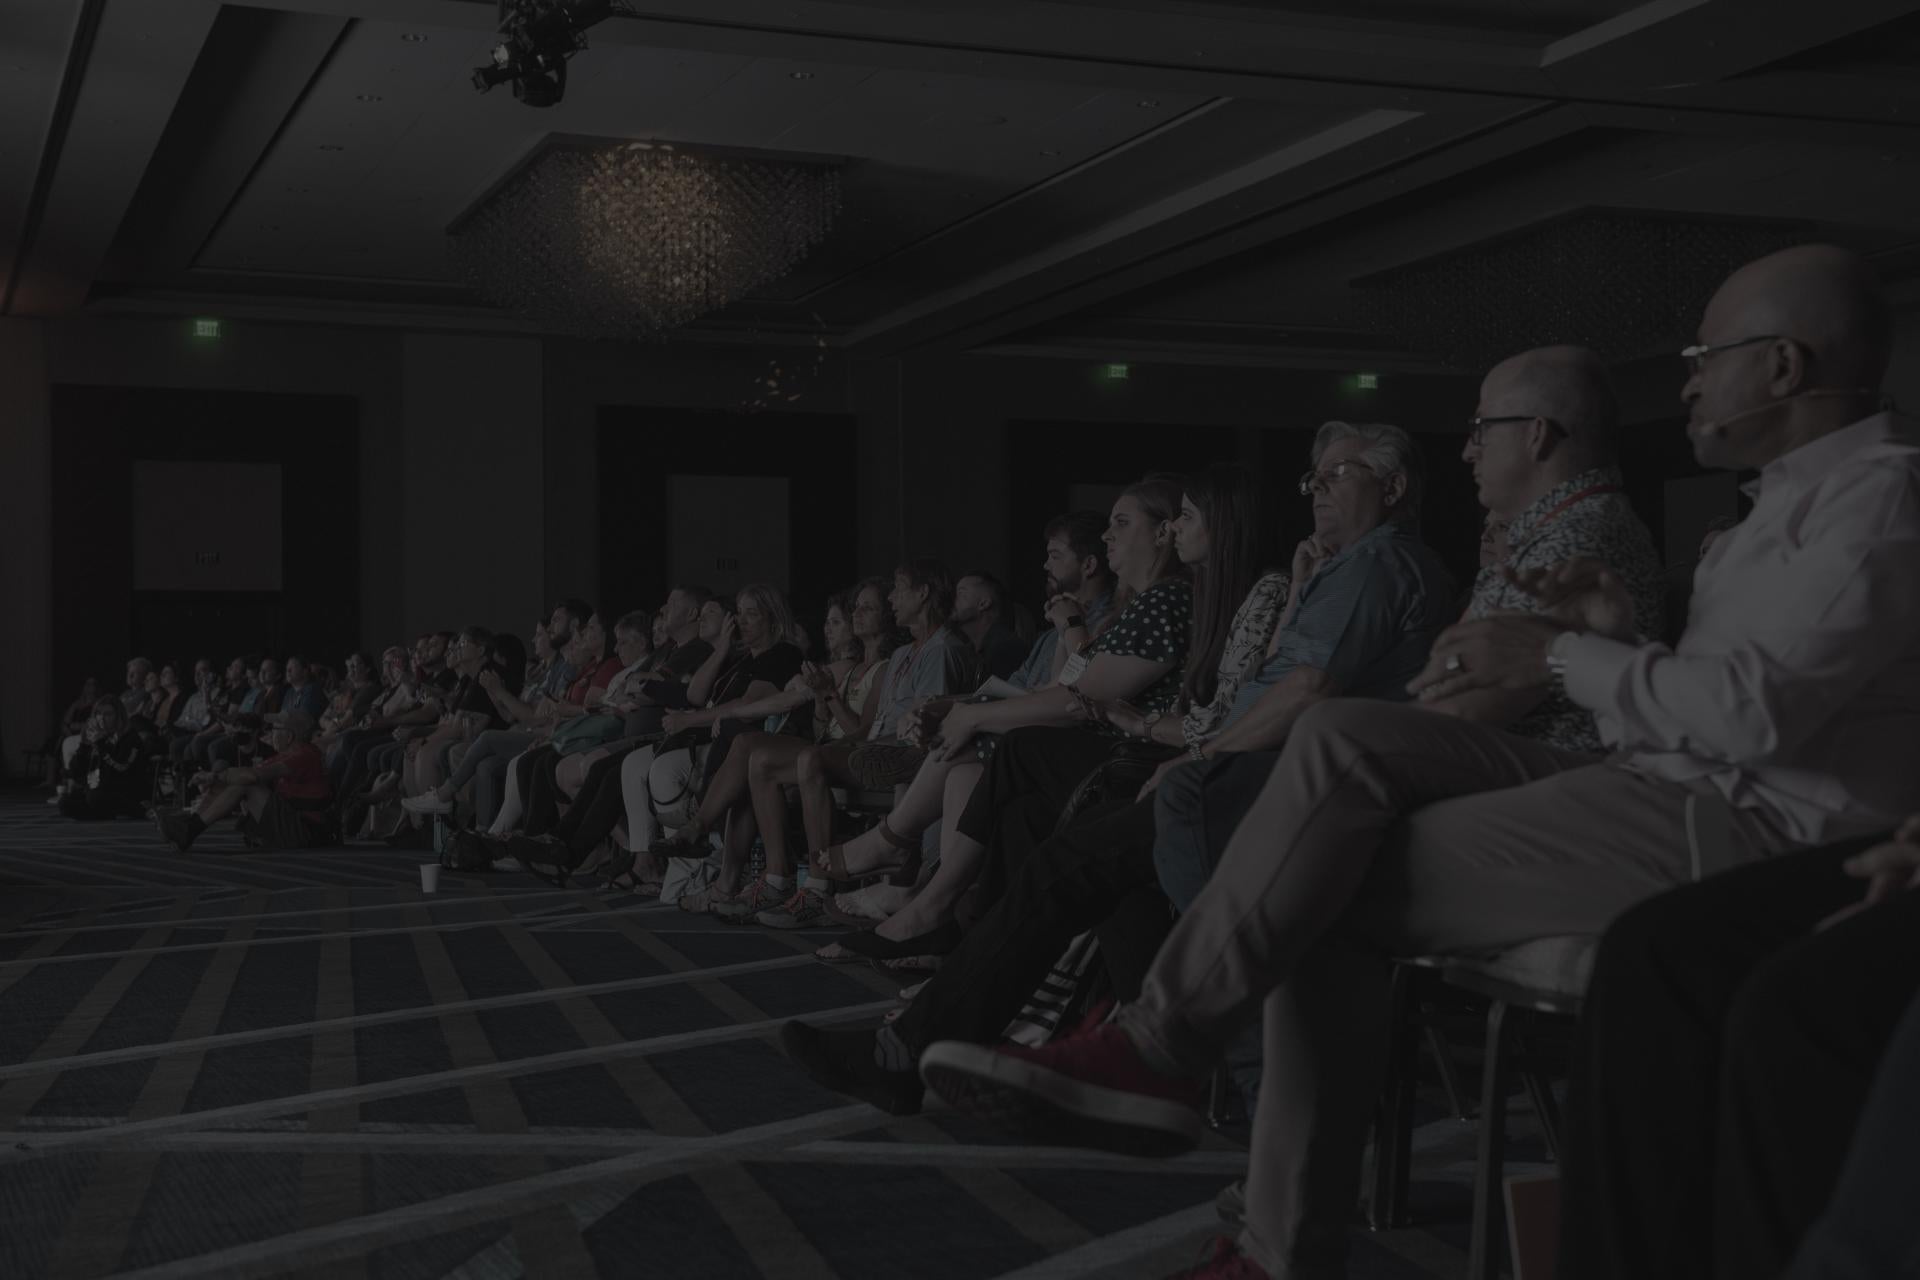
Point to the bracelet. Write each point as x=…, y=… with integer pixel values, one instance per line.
x=1076, y=621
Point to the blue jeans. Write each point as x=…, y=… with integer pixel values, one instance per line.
x=1196, y=809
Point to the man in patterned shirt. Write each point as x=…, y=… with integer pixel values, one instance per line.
x=1542, y=451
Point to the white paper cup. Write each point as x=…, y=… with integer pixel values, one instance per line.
x=429, y=877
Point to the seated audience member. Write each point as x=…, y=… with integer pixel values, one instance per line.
x=66, y=739
x=228, y=700
x=661, y=781
x=302, y=690
x=1781, y=719
x=1028, y=776
x=241, y=729
x=1079, y=586
x=166, y=702
x=982, y=613
x=467, y=712
x=283, y=800
x=541, y=662
x=138, y=693
x=760, y=762
x=1729, y=1042
x=1366, y=618
x=554, y=770
x=196, y=713
x=108, y=778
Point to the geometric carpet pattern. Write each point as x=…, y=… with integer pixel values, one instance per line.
x=229, y=1064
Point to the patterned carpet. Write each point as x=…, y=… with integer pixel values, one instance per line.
x=228, y=1064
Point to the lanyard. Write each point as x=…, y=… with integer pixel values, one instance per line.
x=1589, y=492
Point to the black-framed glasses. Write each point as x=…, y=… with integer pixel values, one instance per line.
x=1321, y=481
x=1696, y=356
x=1477, y=427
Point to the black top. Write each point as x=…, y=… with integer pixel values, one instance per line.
x=776, y=666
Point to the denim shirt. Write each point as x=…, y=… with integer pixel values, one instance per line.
x=1367, y=617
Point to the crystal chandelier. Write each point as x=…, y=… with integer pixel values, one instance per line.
x=1625, y=283
x=635, y=239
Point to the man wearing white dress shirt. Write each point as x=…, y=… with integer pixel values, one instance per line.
x=1781, y=719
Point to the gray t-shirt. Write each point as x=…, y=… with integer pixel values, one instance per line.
x=945, y=665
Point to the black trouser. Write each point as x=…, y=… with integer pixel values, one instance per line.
x=1018, y=802
x=349, y=768
x=598, y=806
x=1066, y=885
x=536, y=768
x=1726, y=1052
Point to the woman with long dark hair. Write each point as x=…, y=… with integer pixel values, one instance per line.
x=1225, y=537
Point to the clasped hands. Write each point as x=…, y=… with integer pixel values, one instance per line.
x=1509, y=650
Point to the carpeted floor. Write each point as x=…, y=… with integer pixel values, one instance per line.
x=229, y=1064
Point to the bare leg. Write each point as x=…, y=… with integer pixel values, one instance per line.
x=223, y=800
x=737, y=842
x=729, y=787
x=772, y=765
x=816, y=770
x=919, y=809
x=960, y=860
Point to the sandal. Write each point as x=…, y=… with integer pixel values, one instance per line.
x=546, y=860
x=623, y=876
x=831, y=862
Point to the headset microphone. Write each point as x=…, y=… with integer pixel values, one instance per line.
x=1718, y=427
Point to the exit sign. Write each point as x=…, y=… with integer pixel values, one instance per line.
x=206, y=328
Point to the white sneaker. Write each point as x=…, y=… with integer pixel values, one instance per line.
x=428, y=803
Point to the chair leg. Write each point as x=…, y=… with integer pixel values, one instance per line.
x=1484, y=1252
x=1449, y=1073
x=1393, y=1119
x=1545, y=1109
x=1219, y=1096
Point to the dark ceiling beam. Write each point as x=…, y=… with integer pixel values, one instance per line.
x=257, y=67
x=47, y=49
x=141, y=56
x=1335, y=173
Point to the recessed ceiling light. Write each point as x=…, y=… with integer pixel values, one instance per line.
x=800, y=75
x=1049, y=154
x=331, y=146
x=368, y=97
x=1148, y=102
x=414, y=37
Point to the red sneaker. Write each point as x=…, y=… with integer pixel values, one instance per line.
x=1226, y=1262
x=1090, y=1088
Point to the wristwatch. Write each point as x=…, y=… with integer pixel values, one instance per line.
x=1557, y=660
x=1076, y=620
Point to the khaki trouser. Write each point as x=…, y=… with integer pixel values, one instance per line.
x=1388, y=829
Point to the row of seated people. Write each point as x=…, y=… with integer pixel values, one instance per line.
x=1386, y=785
x=112, y=749
x=467, y=713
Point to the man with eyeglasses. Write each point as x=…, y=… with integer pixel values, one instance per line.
x=1783, y=717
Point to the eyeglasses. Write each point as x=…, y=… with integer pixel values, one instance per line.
x=1477, y=427
x=1696, y=356
x=1321, y=481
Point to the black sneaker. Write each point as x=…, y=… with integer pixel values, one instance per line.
x=842, y=1060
